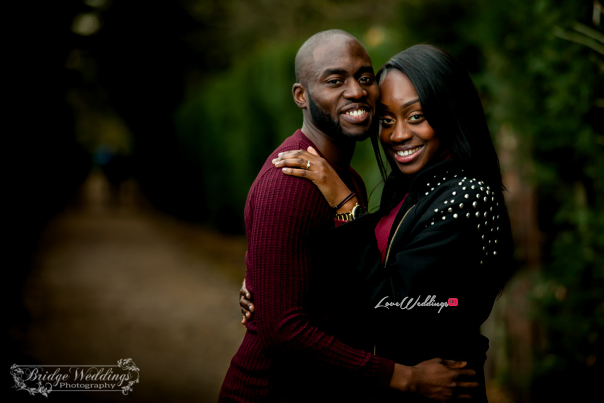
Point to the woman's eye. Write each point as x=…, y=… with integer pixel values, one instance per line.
x=415, y=117
x=386, y=121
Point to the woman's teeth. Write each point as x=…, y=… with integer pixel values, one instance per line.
x=408, y=152
x=356, y=112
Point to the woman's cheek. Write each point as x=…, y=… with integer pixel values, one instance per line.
x=383, y=134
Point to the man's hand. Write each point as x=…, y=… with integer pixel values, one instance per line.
x=246, y=305
x=433, y=379
x=460, y=393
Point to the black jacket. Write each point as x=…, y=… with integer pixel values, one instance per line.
x=450, y=239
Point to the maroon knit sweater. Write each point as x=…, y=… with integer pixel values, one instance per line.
x=287, y=354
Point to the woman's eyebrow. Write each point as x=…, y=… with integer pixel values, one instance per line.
x=409, y=103
x=405, y=105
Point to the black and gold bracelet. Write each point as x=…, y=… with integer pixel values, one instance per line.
x=343, y=202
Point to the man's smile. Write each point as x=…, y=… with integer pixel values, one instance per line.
x=356, y=113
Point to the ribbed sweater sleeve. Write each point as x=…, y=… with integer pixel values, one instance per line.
x=281, y=213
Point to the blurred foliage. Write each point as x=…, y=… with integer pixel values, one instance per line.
x=547, y=90
x=245, y=113
x=539, y=69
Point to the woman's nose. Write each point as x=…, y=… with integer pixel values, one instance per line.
x=400, y=134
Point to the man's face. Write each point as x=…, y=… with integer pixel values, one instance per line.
x=342, y=90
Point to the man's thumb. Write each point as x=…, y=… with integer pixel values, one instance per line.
x=455, y=364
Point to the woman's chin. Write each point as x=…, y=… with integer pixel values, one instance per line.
x=410, y=169
x=406, y=169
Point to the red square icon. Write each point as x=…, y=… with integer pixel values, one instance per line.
x=452, y=301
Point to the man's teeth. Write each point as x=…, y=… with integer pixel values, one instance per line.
x=356, y=112
x=408, y=152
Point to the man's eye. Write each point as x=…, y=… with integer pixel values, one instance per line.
x=334, y=81
x=415, y=117
x=366, y=80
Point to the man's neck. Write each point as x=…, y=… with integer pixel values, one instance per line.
x=338, y=152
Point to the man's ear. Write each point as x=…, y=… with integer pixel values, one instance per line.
x=300, y=94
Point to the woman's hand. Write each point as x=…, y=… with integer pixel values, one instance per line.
x=433, y=379
x=319, y=171
x=246, y=305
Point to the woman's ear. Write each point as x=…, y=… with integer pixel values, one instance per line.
x=299, y=93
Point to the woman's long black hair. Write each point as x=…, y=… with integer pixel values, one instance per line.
x=451, y=105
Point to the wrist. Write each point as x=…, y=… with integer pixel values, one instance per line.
x=402, y=378
x=347, y=206
x=342, y=197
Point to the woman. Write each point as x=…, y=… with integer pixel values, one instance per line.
x=439, y=249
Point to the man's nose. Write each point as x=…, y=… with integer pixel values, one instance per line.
x=354, y=90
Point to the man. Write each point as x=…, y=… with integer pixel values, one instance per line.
x=289, y=352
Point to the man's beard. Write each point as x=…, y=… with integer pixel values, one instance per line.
x=324, y=122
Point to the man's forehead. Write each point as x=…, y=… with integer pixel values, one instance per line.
x=342, y=55
x=342, y=47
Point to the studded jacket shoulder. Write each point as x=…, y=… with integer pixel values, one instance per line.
x=448, y=198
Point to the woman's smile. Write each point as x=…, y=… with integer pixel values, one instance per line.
x=407, y=154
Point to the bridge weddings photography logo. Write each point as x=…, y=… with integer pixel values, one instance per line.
x=44, y=379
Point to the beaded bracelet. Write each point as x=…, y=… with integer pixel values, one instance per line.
x=343, y=202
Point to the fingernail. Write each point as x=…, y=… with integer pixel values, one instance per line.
x=279, y=153
x=284, y=169
x=274, y=160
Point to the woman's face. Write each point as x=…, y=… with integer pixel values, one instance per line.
x=408, y=138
